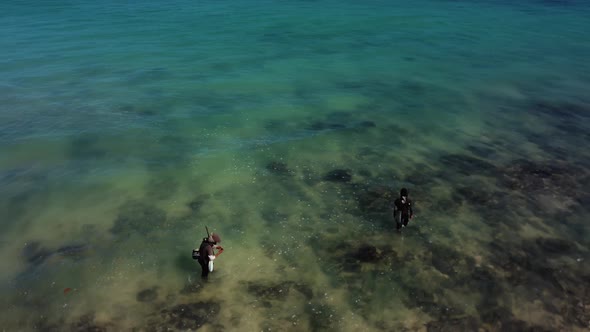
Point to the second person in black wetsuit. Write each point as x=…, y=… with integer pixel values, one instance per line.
x=402, y=209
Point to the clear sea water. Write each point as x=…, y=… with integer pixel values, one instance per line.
x=288, y=127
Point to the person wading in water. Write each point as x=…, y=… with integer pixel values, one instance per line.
x=205, y=255
x=402, y=210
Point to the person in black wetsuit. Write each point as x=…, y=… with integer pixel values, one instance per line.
x=402, y=209
x=206, y=253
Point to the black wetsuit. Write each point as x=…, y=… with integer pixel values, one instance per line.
x=205, y=250
x=402, y=211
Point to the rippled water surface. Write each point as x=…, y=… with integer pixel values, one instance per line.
x=288, y=127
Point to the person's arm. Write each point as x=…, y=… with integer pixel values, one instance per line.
x=220, y=248
x=411, y=211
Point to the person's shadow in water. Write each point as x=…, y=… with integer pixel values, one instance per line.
x=186, y=263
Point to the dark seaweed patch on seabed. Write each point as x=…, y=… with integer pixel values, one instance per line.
x=562, y=110
x=446, y=260
x=482, y=150
x=272, y=215
x=84, y=323
x=322, y=317
x=479, y=194
x=34, y=253
x=467, y=165
x=148, y=294
x=530, y=176
x=88, y=323
x=421, y=299
x=565, y=182
x=525, y=269
x=141, y=110
x=197, y=203
x=279, y=168
x=570, y=120
x=339, y=121
x=468, y=323
x=372, y=203
x=546, y=142
x=347, y=258
x=272, y=291
x=74, y=251
x=321, y=125
x=437, y=305
x=338, y=175
x=374, y=199
x=530, y=265
x=186, y=316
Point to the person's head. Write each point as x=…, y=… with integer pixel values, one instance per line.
x=214, y=238
x=403, y=192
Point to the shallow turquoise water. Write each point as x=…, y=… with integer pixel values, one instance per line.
x=125, y=128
